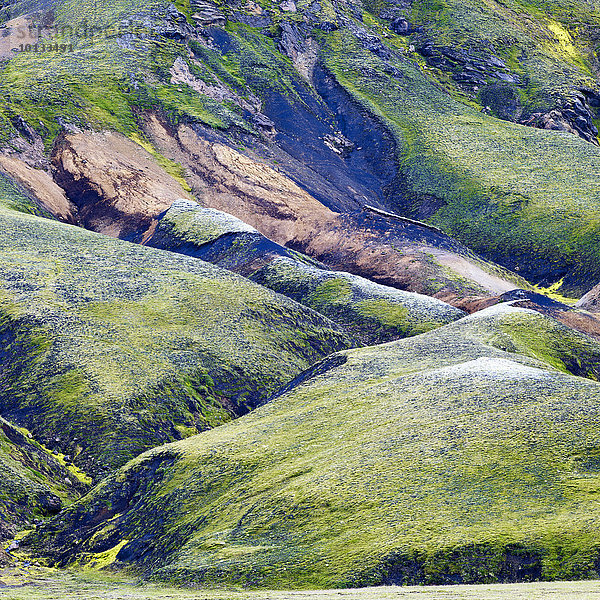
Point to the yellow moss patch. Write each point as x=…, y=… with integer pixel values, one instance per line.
x=102, y=560
x=172, y=168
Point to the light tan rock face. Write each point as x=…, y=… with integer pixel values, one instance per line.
x=42, y=187
x=16, y=33
x=252, y=191
x=591, y=301
x=117, y=186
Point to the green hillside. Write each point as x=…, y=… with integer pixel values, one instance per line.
x=498, y=186
x=115, y=348
x=356, y=341
x=35, y=483
x=466, y=454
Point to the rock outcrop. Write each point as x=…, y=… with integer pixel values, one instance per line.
x=591, y=300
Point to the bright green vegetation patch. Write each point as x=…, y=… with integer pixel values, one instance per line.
x=114, y=348
x=449, y=457
x=388, y=313
x=546, y=340
x=263, y=68
x=371, y=313
x=334, y=291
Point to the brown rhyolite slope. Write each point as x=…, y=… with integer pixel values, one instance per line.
x=41, y=186
x=387, y=250
x=116, y=185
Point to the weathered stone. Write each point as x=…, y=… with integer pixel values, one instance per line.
x=401, y=26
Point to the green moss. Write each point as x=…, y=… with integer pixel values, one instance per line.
x=369, y=312
x=101, y=560
x=466, y=159
x=447, y=149
x=445, y=457
x=118, y=348
x=184, y=7
x=333, y=291
x=182, y=101
x=34, y=481
x=392, y=315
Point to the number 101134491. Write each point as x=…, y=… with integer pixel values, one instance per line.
x=45, y=48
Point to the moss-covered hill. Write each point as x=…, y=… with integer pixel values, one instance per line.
x=373, y=313
x=386, y=139
x=110, y=348
x=360, y=103
x=217, y=237
x=35, y=482
x=469, y=453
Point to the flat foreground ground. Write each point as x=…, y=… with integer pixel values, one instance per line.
x=46, y=584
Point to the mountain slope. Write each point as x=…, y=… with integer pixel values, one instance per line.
x=466, y=454
x=349, y=158
x=115, y=348
x=35, y=483
x=338, y=99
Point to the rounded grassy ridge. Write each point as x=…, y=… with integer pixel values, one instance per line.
x=114, y=348
x=370, y=313
x=373, y=313
x=465, y=454
x=188, y=222
x=217, y=237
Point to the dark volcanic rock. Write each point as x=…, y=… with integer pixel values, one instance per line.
x=575, y=116
x=218, y=238
x=292, y=40
x=401, y=26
